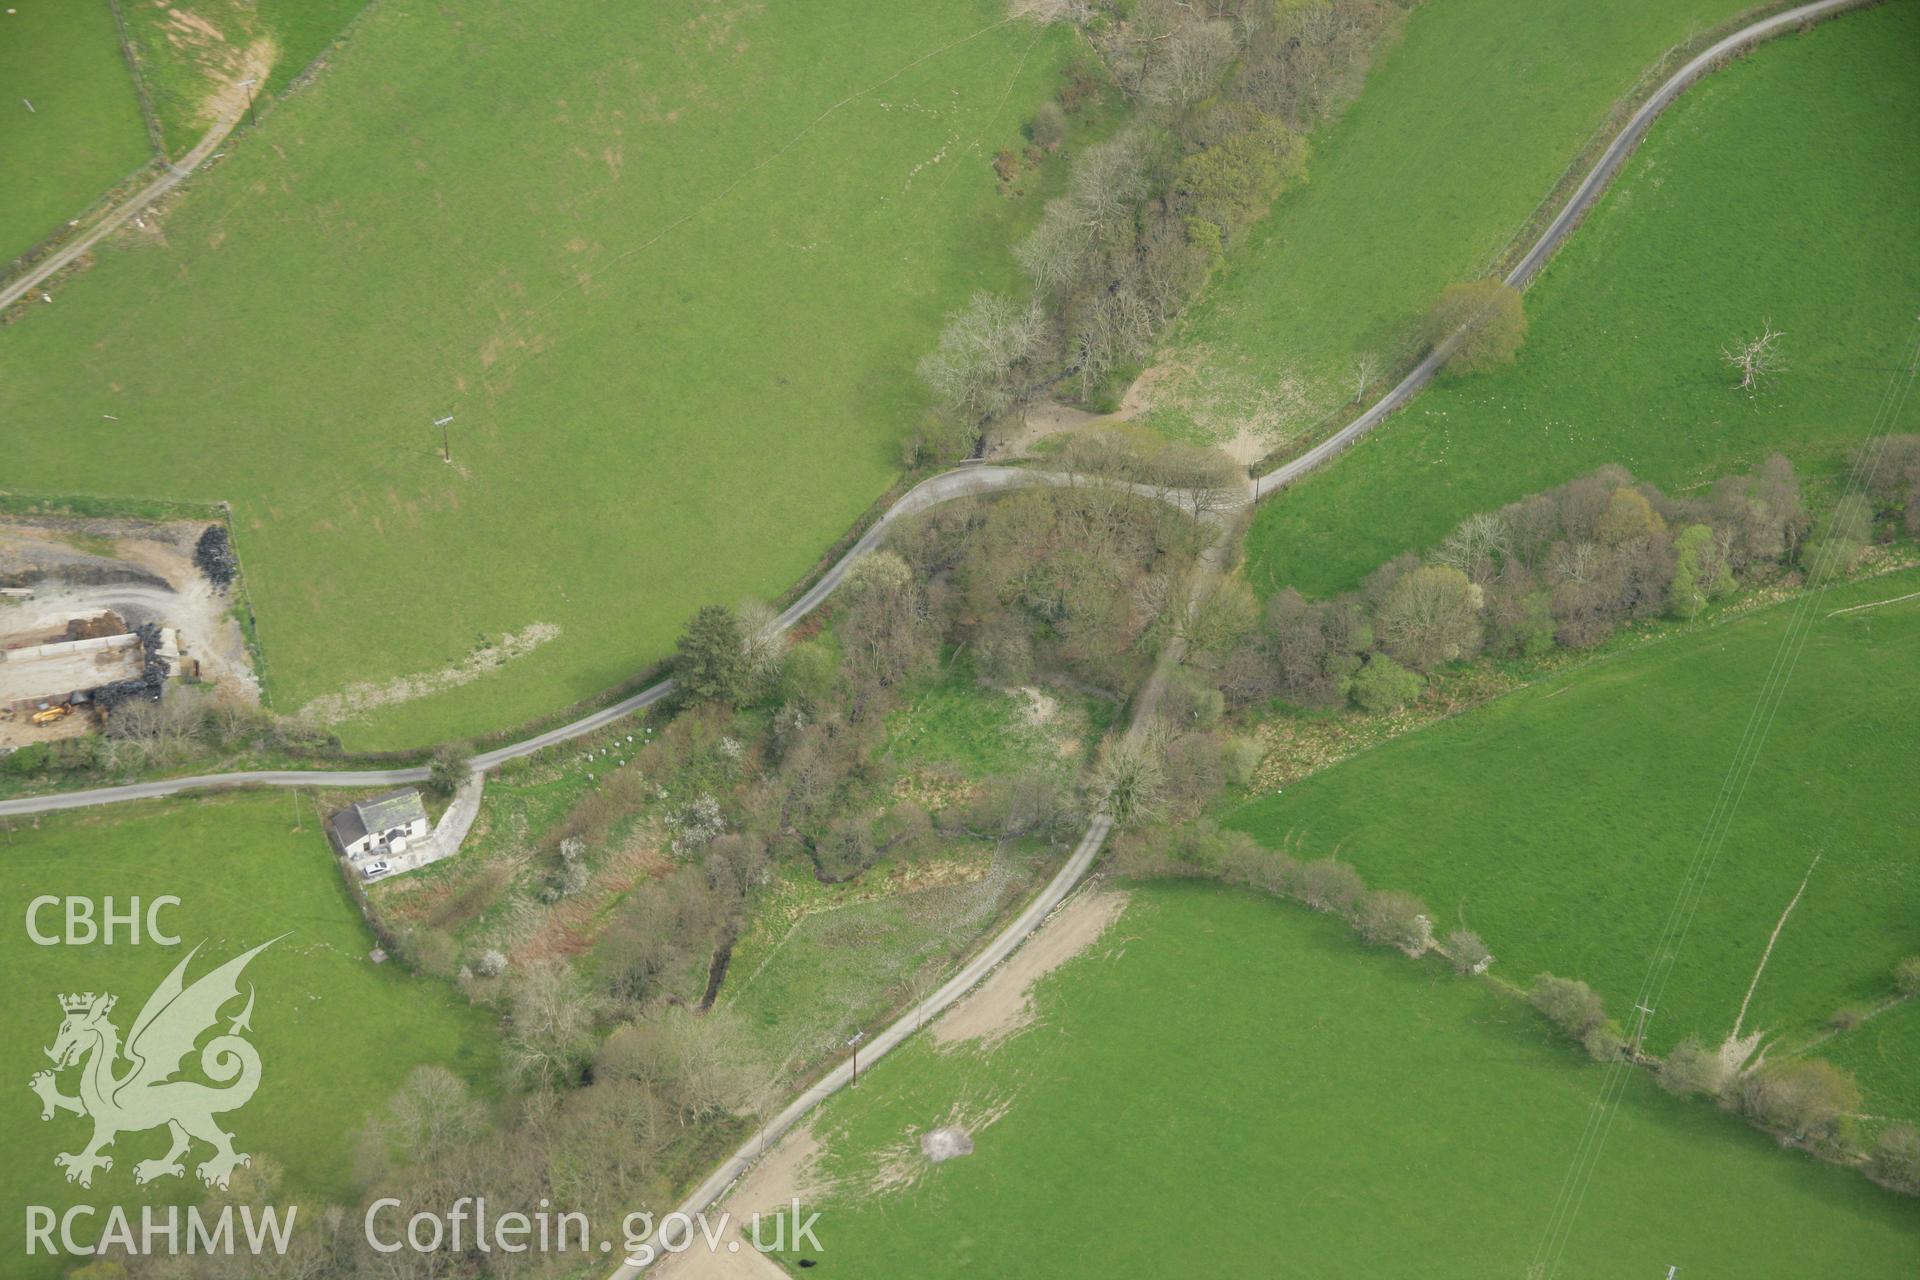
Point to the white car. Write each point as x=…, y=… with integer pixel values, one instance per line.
x=374, y=870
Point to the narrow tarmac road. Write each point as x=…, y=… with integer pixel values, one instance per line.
x=1557, y=231
x=963, y=481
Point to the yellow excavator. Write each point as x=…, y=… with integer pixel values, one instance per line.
x=52, y=714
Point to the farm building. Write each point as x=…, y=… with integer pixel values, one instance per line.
x=381, y=825
x=70, y=669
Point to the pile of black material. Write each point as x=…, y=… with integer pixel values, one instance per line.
x=152, y=677
x=214, y=554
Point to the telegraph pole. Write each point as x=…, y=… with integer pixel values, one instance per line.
x=1639, y=1034
x=446, y=441
x=854, y=1044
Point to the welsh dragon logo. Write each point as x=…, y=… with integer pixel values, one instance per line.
x=144, y=1095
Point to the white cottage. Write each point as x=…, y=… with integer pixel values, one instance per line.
x=372, y=826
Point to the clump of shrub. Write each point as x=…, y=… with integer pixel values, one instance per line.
x=1218, y=131
x=1890, y=468
x=1578, y=1010
x=1048, y=129
x=1328, y=884
x=449, y=769
x=1895, y=1158
x=1384, y=685
x=1489, y=319
x=1467, y=952
x=1388, y=917
x=1906, y=976
x=1841, y=540
x=1806, y=1102
x=1566, y=567
x=27, y=761
x=1691, y=1068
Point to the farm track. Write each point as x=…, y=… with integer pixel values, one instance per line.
x=171, y=175
x=967, y=482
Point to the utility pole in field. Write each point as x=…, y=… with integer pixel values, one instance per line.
x=1640, y=1029
x=446, y=441
x=854, y=1044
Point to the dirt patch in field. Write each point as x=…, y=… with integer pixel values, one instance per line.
x=224, y=57
x=787, y=1173
x=1040, y=421
x=1041, y=709
x=949, y=1143
x=790, y=1171
x=1245, y=412
x=1244, y=415
x=934, y=789
x=1039, y=10
x=359, y=699
x=231, y=71
x=911, y=1159
x=1736, y=1054
x=1002, y=1006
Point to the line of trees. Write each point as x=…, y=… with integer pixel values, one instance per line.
x=1199, y=848
x=1805, y=1102
x=1221, y=94
x=1563, y=568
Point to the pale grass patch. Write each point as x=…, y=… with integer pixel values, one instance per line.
x=360, y=699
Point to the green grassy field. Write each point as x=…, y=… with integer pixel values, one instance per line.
x=819, y=962
x=1230, y=1079
x=1558, y=822
x=669, y=271
x=84, y=132
x=1885, y=1055
x=956, y=723
x=336, y=1034
x=188, y=53
x=1782, y=187
x=1463, y=127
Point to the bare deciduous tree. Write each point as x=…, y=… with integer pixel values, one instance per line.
x=430, y=1114
x=1366, y=368
x=550, y=1021
x=1055, y=252
x=983, y=344
x=1196, y=55
x=1108, y=179
x=1431, y=616
x=1757, y=359
x=763, y=644
x=1480, y=536
x=1129, y=781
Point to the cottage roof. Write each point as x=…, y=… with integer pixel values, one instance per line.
x=395, y=809
x=347, y=827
